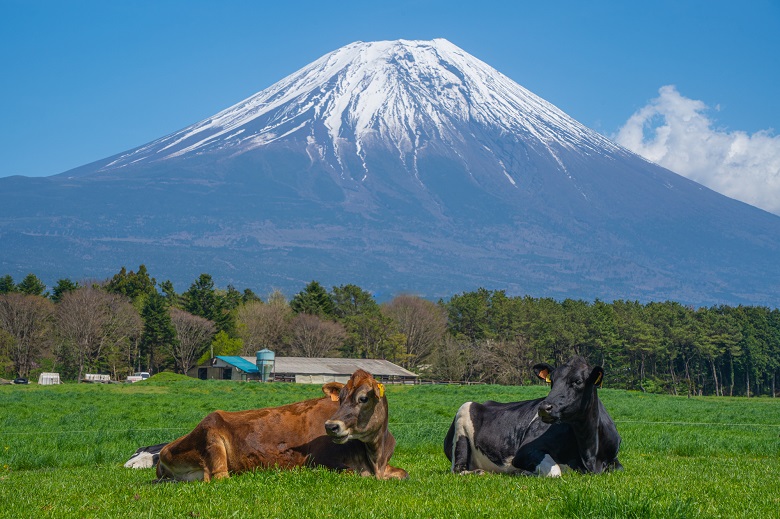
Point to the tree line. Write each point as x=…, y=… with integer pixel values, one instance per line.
x=131, y=322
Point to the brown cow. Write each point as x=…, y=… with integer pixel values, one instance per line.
x=361, y=421
x=291, y=435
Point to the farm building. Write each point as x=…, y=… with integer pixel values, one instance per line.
x=303, y=370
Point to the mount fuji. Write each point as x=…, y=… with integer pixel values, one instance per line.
x=399, y=166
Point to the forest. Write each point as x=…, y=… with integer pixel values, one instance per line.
x=131, y=322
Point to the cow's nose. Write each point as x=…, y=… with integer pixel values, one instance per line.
x=546, y=412
x=332, y=427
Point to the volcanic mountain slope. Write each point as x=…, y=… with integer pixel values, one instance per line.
x=397, y=166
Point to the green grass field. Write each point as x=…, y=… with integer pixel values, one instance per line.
x=62, y=450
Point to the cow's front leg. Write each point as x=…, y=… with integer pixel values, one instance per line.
x=381, y=470
x=395, y=473
x=594, y=465
x=533, y=461
x=216, y=461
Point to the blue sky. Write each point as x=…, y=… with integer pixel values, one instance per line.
x=82, y=80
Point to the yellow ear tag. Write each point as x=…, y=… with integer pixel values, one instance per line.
x=598, y=380
x=547, y=378
x=381, y=388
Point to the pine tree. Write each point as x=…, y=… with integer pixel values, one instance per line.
x=131, y=284
x=202, y=299
x=351, y=300
x=61, y=288
x=159, y=334
x=31, y=285
x=249, y=296
x=169, y=293
x=7, y=284
x=231, y=298
x=313, y=300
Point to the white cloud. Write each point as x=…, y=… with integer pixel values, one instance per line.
x=676, y=133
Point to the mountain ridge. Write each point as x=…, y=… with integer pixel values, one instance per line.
x=420, y=169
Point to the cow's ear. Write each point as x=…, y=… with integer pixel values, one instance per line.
x=596, y=376
x=543, y=371
x=379, y=389
x=332, y=389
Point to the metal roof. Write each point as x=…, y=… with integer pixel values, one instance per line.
x=326, y=366
x=245, y=364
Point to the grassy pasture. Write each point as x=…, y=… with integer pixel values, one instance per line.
x=62, y=449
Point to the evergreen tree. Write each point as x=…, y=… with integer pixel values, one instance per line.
x=131, y=284
x=313, y=300
x=503, y=316
x=720, y=334
x=468, y=315
x=370, y=334
x=202, y=299
x=640, y=339
x=603, y=343
x=31, y=285
x=62, y=287
x=159, y=334
x=7, y=284
x=231, y=298
x=169, y=293
x=249, y=296
x=351, y=300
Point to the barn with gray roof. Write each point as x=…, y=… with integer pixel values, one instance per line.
x=306, y=370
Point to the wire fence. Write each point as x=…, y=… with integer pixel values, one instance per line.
x=392, y=424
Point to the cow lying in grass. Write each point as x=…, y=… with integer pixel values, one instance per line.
x=345, y=430
x=569, y=428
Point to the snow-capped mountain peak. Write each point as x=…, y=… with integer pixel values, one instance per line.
x=401, y=94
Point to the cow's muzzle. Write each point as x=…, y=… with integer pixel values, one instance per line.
x=337, y=430
x=546, y=413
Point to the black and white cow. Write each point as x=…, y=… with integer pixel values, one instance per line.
x=569, y=428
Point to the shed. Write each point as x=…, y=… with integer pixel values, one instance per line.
x=47, y=379
x=305, y=370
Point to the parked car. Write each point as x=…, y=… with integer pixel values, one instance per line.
x=138, y=376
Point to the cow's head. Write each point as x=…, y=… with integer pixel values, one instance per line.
x=362, y=410
x=572, y=390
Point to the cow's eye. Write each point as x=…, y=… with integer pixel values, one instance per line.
x=363, y=399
